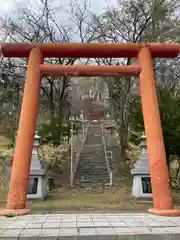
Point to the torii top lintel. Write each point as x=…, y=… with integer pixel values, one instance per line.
x=91, y=50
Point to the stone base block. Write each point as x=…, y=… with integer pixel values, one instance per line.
x=141, y=187
x=38, y=187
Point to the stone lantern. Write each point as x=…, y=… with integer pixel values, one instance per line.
x=38, y=182
x=141, y=174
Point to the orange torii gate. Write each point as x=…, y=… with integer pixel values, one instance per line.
x=16, y=201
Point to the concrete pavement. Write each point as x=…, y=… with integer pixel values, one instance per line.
x=91, y=227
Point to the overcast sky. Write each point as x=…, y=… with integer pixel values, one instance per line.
x=96, y=5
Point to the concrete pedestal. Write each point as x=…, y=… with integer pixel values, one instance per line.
x=38, y=181
x=38, y=186
x=141, y=188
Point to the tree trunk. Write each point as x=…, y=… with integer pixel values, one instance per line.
x=119, y=94
x=51, y=102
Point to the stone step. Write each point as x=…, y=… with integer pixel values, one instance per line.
x=93, y=141
x=96, y=149
x=94, y=136
x=95, y=126
x=90, y=181
x=97, y=174
x=95, y=146
x=81, y=177
x=93, y=174
x=93, y=171
x=92, y=163
x=92, y=168
x=95, y=158
x=92, y=154
x=91, y=151
x=93, y=179
x=92, y=159
x=89, y=148
x=95, y=129
x=89, y=156
x=86, y=171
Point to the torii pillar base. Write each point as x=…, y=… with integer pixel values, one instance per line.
x=166, y=213
x=12, y=212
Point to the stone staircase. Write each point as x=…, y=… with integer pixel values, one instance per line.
x=92, y=168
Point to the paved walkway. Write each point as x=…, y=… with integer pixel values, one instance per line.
x=90, y=227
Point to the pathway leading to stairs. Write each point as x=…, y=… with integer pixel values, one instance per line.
x=91, y=227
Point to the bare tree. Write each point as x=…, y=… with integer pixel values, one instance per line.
x=43, y=24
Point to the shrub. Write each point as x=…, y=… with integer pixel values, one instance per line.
x=54, y=157
x=54, y=132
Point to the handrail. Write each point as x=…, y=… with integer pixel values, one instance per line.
x=106, y=157
x=76, y=151
x=84, y=136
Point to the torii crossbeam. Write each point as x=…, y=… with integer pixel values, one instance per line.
x=162, y=197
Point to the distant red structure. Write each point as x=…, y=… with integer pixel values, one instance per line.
x=96, y=115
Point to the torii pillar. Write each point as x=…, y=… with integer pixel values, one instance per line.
x=16, y=202
x=161, y=190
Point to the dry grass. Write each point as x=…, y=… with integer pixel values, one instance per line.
x=115, y=199
x=3, y=144
x=110, y=199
